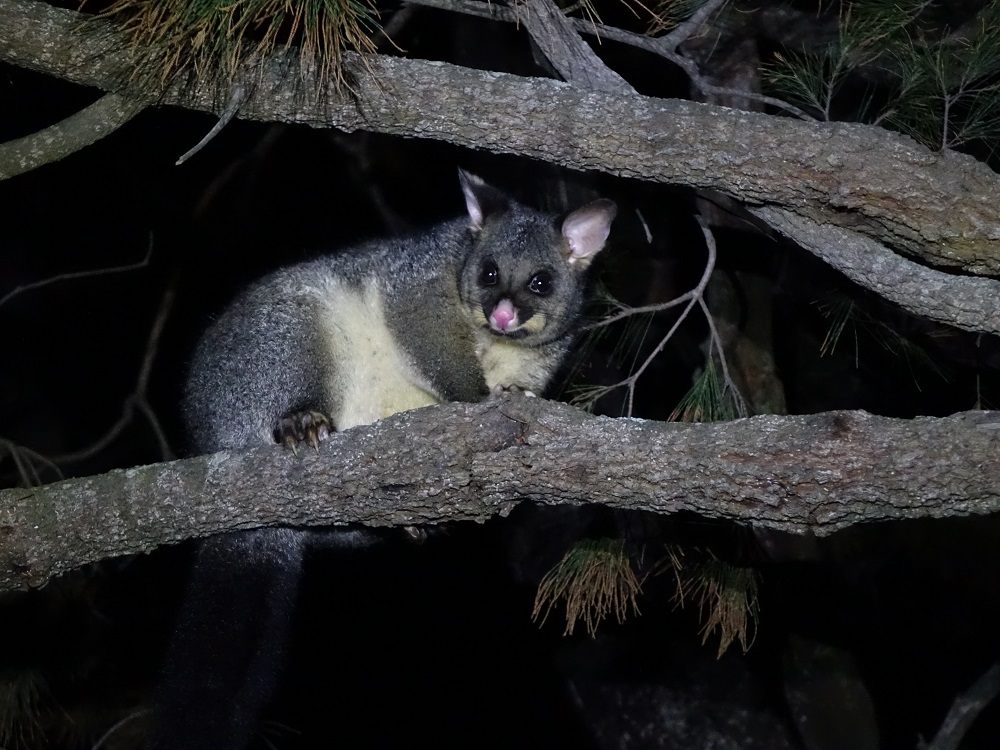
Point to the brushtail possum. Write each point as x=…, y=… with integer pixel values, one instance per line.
x=488, y=301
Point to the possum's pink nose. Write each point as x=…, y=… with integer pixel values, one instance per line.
x=504, y=315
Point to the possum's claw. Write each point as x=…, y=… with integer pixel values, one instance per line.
x=303, y=426
x=498, y=390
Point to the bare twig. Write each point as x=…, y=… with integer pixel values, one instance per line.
x=138, y=399
x=683, y=31
x=695, y=295
x=232, y=109
x=117, y=726
x=628, y=312
x=710, y=89
x=27, y=461
x=77, y=275
x=653, y=45
x=716, y=344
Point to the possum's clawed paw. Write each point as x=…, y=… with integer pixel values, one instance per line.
x=416, y=534
x=302, y=426
x=499, y=390
x=420, y=534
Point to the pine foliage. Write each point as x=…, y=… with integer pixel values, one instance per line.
x=938, y=84
x=667, y=14
x=20, y=696
x=594, y=579
x=710, y=399
x=180, y=41
x=844, y=314
x=725, y=594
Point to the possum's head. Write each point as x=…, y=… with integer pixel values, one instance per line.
x=523, y=277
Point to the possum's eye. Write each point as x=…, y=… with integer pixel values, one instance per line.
x=541, y=283
x=489, y=274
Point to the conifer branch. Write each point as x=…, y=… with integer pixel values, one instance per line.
x=964, y=711
x=76, y=132
x=945, y=209
x=468, y=461
x=568, y=54
x=653, y=45
x=972, y=304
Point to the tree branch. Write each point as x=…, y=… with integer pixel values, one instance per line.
x=58, y=141
x=664, y=46
x=965, y=302
x=567, y=52
x=465, y=462
x=965, y=710
x=943, y=207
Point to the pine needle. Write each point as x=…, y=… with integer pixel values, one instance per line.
x=708, y=400
x=180, y=41
x=595, y=579
x=20, y=694
x=667, y=14
x=845, y=312
x=726, y=596
x=946, y=86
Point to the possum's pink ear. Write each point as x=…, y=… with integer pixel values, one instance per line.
x=481, y=200
x=586, y=230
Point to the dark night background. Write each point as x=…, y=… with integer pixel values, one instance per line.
x=434, y=642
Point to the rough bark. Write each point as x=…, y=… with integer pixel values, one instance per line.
x=964, y=302
x=469, y=462
x=942, y=207
x=84, y=128
x=562, y=46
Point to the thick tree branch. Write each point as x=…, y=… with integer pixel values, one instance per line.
x=943, y=207
x=965, y=302
x=469, y=462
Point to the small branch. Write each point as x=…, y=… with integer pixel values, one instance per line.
x=941, y=207
x=26, y=462
x=716, y=343
x=236, y=101
x=76, y=132
x=77, y=275
x=117, y=726
x=692, y=298
x=709, y=89
x=653, y=45
x=572, y=58
x=965, y=710
x=138, y=400
x=683, y=31
x=629, y=312
x=716, y=339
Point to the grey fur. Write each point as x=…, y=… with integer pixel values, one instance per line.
x=267, y=355
x=354, y=336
